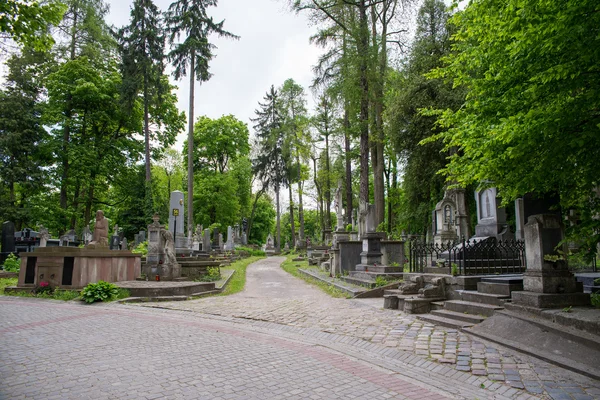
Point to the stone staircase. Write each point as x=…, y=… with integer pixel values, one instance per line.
x=473, y=306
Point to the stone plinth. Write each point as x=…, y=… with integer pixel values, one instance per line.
x=74, y=268
x=392, y=252
x=547, y=282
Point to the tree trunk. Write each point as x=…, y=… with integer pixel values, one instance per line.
x=300, y=210
x=292, y=222
x=278, y=245
x=320, y=213
x=190, y=204
x=348, y=160
x=363, y=51
x=254, y=205
x=147, y=127
x=328, y=182
x=75, y=205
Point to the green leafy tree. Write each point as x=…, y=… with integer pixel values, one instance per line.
x=268, y=163
x=409, y=92
x=530, y=123
x=28, y=23
x=218, y=143
x=263, y=221
x=188, y=20
x=24, y=151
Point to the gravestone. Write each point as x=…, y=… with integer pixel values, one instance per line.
x=519, y=219
x=44, y=236
x=72, y=235
x=115, y=242
x=8, y=240
x=124, y=243
x=244, y=239
x=491, y=218
x=142, y=236
x=136, y=239
x=229, y=244
x=448, y=223
x=153, y=256
x=63, y=241
x=547, y=282
x=237, y=239
x=215, y=239
x=206, y=241
x=176, y=221
x=220, y=242
x=371, y=240
x=86, y=235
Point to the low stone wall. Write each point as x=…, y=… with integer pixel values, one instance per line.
x=74, y=268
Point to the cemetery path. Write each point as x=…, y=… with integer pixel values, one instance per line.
x=279, y=338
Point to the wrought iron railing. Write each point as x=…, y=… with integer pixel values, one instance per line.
x=469, y=257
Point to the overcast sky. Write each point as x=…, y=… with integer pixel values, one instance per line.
x=273, y=46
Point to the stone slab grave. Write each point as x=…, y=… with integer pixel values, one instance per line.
x=73, y=268
x=547, y=282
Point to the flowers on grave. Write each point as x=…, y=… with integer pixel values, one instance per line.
x=43, y=288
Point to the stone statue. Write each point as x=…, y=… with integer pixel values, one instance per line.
x=44, y=236
x=169, y=243
x=100, y=237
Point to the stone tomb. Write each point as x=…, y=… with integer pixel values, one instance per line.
x=161, y=260
x=74, y=268
x=547, y=282
x=450, y=218
x=491, y=219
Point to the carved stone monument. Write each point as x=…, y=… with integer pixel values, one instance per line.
x=547, y=282
x=206, y=241
x=176, y=214
x=100, y=237
x=491, y=218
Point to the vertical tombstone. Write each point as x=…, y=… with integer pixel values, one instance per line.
x=153, y=256
x=519, y=219
x=547, y=282
x=142, y=236
x=44, y=236
x=86, y=235
x=176, y=214
x=220, y=242
x=124, y=244
x=491, y=219
x=229, y=243
x=115, y=239
x=206, y=241
x=8, y=240
x=215, y=239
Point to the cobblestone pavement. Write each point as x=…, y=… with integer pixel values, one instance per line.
x=280, y=338
x=274, y=296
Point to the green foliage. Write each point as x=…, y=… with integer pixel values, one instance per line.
x=530, y=123
x=4, y=282
x=101, y=291
x=141, y=248
x=380, y=281
x=251, y=251
x=349, y=228
x=454, y=269
x=264, y=220
x=12, y=263
x=213, y=274
x=291, y=267
x=595, y=298
x=219, y=142
x=29, y=22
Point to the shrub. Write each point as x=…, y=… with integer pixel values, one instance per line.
x=349, y=228
x=43, y=288
x=101, y=291
x=380, y=281
x=595, y=297
x=141, y=248
x=12, y=263
x=213, y=274
x=250, y=251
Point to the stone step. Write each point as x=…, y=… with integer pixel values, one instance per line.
x=472, y=319
x=447, y=322
x=498, y=288
x=437, y=305
x=383, y=269
x=484, y=298
x=358, y=281
x=470, y=307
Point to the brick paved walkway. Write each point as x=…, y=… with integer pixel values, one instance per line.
x=280, y=338
x=273, y=295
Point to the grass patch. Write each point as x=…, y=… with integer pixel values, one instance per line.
x=59, y=294
x=291, y=267
x=4, y=282
x=238, y=280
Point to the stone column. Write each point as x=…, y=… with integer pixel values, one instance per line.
x=547, y=282
x=519, y=219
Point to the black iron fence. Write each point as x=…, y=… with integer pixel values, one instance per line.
x=469, y=257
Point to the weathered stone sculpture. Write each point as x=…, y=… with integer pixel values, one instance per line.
x=100, y=237
x=436, y=289
x=412, y=286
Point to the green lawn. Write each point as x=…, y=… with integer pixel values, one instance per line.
x=292, y=267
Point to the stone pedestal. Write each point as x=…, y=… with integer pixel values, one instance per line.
x=371, y=251
x=547, y=282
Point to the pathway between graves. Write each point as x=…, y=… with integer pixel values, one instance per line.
x=272, y=295
x=280, y=338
